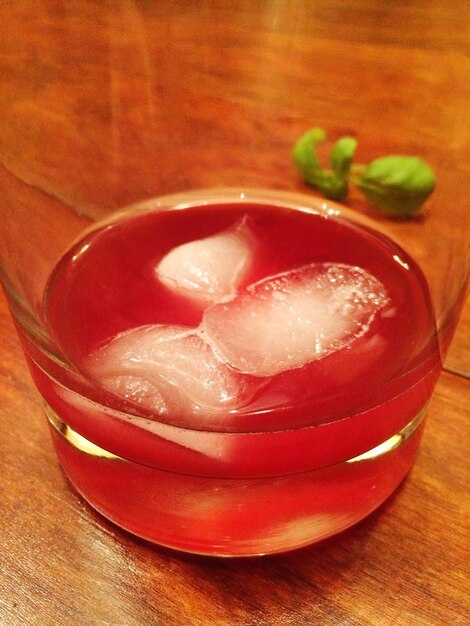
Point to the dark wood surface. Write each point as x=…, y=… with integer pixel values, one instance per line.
x=236, y=110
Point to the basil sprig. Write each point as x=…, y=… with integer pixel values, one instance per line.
x=399, y=185
x=332, y=183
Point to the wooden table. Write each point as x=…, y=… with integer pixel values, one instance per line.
x=249, y=78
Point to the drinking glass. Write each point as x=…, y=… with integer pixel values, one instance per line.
x=136, y=117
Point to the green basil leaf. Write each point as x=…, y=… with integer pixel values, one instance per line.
x=341, y=156
x=304, y=154
x=305, y=158
x=397, y=184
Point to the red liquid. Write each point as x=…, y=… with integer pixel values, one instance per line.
x=254, y=483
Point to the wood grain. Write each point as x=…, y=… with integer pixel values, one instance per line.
x=102, y=107
x=82, y=132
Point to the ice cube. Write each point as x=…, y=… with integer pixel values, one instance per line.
x=209, y=269
x=215, y=445
x=295, y=317
x=170, y=370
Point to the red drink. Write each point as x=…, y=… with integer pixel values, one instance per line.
x=268, y=396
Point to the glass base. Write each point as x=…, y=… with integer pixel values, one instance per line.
x=234, y=516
